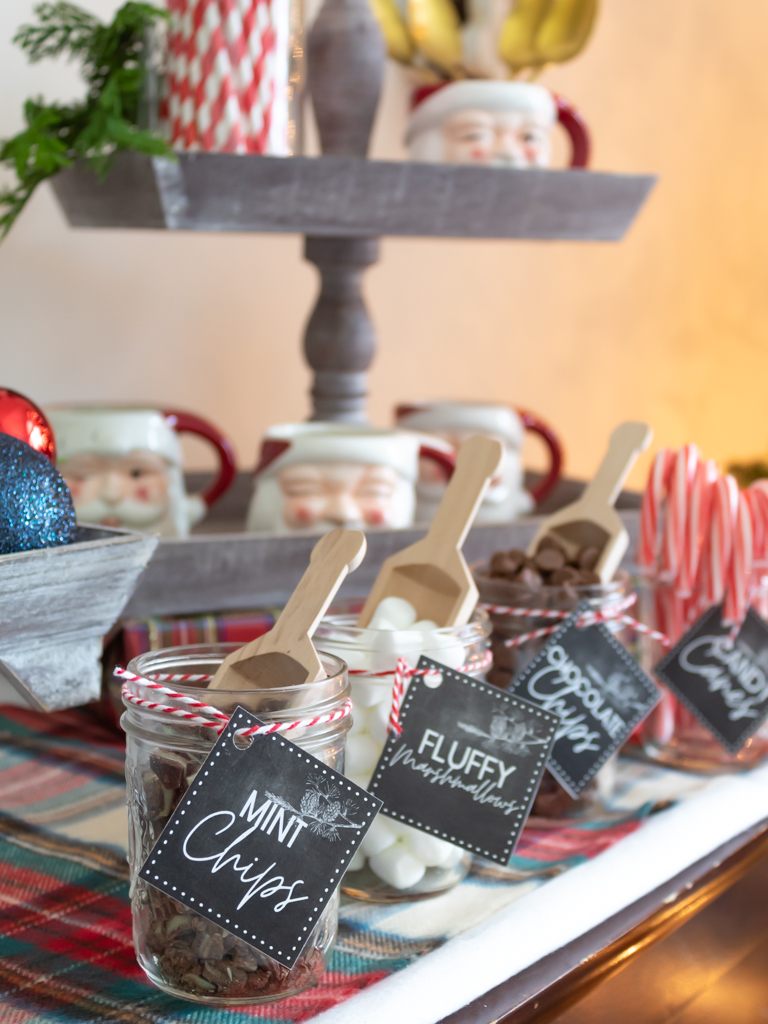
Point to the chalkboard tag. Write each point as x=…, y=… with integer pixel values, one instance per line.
x=598, y=691
x=467, y=764
x=260, y=840
x=723, y=683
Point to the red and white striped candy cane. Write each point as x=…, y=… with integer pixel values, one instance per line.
x=650, y=512
x=740, y=566
x=678, y=498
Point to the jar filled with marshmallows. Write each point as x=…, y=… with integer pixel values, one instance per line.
x=395, y=861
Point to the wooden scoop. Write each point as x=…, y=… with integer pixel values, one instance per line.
x=591, y=521
x=432, y=574
x=285, y=656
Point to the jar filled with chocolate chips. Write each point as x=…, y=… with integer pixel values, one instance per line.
x=548, y=580
x=180, y=951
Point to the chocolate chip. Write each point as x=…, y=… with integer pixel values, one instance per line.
x=588, y=579
x=504, y=566
x=549, y=559
x=170, y=767
x=549, y=543
x=530, y=578
x=565, y=575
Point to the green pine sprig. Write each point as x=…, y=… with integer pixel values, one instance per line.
x=100, y=126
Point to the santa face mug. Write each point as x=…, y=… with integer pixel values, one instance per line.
x=497, y=124
x=454, y=422
x=319, y=476
x=124, y=466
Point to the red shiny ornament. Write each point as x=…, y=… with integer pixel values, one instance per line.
x=21, y=418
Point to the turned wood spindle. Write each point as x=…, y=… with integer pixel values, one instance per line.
x=345, y=59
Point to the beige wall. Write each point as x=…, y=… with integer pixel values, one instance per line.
x=668, y=326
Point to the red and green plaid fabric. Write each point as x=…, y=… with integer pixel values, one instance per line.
x=153, y=634
x=66, y=954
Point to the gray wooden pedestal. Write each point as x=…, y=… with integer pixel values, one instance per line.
x=343, y=204
x=340, y=340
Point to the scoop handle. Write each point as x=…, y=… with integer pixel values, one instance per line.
x=625, y=444
x=476, y=462
x=333, y=557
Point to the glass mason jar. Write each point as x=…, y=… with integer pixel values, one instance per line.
x=396, y=862
x=551, y=801
x=180, y=951
x=671, y=735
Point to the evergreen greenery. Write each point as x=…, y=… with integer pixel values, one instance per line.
x=105, y=122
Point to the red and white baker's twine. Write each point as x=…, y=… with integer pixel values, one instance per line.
x=402, y=673
x=607, y=613
x=221, y=720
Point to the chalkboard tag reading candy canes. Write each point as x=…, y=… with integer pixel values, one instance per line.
x=261, y=839
x=468, y=762
x=598, y=692
x=722, y=681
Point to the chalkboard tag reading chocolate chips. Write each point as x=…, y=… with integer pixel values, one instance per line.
x=260, y=840
x=598, y=692
x=723, y=682
x=468, y=762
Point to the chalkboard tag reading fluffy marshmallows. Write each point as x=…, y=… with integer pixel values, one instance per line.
x=261, y=839
x=468, y=762
x=723, y=682
x=598, y=692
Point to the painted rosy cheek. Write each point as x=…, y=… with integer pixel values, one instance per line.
x=375, y=517
x=303, y=515
x=142, y=494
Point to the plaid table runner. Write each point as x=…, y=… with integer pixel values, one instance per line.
x=66, y=955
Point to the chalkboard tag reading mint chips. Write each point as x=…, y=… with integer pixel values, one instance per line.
x=261, y=839
x=598, y=692
x=467, y=764
x=723, y=682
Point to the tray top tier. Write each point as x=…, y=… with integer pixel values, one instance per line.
x=351, y=197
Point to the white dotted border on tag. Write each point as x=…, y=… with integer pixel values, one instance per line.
x=554, y=766
x=245, y=722
x=733, y=747
x=492, y=691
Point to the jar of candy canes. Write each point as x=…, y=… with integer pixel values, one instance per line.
x=671, y=735
x=527, y=597
x=702, y=543
x=180, y=951
x=396, y=862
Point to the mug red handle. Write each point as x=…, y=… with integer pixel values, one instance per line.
x=443, y=459
x=576, y=126
x=187, y=423
x=552, y=441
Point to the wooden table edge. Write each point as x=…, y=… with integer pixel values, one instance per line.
x=543, y=991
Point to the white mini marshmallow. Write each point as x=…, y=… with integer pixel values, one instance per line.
x=425, y=626
x=430, y=850
x=445, y=649
x=396, y=610
x=397, y=867
x=378, y=722
x=368, y=693
x=379, y=837
x=362, y=754
x=360, y=721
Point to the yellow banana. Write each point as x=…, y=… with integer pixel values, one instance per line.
x=399, y=44
x=517, y=43
x=434, y=28
x=565, y=30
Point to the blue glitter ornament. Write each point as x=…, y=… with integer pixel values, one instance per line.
x=36, y=509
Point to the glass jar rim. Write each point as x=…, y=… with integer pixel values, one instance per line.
x=291, y=700
x=478, y=628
